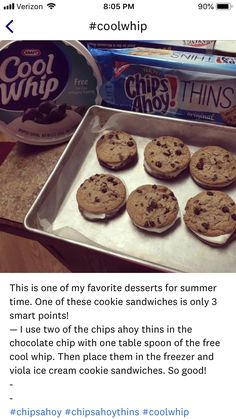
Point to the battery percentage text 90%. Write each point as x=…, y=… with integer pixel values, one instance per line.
x=206, y=6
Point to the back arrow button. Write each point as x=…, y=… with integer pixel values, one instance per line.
x=8, y=26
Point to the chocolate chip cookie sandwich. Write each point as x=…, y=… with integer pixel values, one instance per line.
x=213, y=167
x=166, y=157
x=153, y=208
x=211, y=216
x=101, y=196
x=116, y=150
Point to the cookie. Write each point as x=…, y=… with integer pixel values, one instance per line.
x=229, y=116
x=211, y=216
x=213, y=167
x=101, y=197
x=153, y=208
x=116, y=150
x=166, y=157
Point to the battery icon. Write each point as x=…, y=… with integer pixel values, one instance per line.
x=224, y=6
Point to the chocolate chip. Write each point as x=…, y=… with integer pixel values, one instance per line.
x=197, y=211
x=114, y=183
x=234, y=217
x=157, y=142
x=175, y=144
x=215, y=177
x=205, y=225
x=181, y=145
x=164, y=196
x=166, y=211
x=178, y=152
x=167, y=153
x=172, y=165
x=110, y=136
x=210, y=193
x=154, y=186
x=225, y=209
x=158, y=164
x=151, y=223
x=110, y=179
x=146, y=224
x=153, y=205
x=103, y=189
x=200, y=164
x=97, y=199
x=130, y=143
x=139, y=190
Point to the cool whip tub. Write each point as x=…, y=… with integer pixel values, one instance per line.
x=179, y=84
x=45, y=89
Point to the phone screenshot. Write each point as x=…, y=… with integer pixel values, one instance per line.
x=117, y=209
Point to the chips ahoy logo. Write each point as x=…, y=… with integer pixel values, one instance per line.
x=150, y=93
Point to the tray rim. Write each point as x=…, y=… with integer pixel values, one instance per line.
x=94, y=247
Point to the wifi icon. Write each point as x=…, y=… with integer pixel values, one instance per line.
x=51, y=5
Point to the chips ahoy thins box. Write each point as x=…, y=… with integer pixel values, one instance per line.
x=173, y=83
x=203, y=47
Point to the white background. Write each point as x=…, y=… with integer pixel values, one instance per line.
x=208, y=396
x=169, y=19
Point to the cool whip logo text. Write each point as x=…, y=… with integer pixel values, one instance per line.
x=150, y=94
x=21, y=79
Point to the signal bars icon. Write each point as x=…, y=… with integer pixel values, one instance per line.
x=51, y=5
x=9, y=6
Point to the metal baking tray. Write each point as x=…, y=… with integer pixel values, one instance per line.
x=55, y=212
